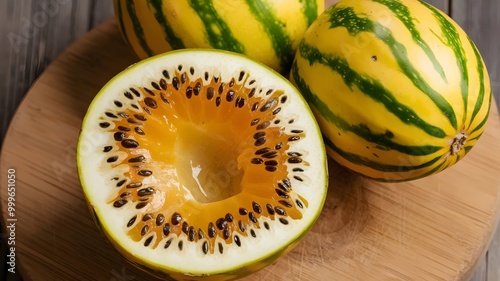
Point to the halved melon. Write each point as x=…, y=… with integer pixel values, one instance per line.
x=202, y=163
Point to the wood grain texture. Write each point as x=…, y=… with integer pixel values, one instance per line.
x=24, y=61
x=431, y=229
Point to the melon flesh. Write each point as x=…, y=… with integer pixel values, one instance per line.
x=202, y=163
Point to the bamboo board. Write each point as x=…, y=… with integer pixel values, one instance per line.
x=435, y=228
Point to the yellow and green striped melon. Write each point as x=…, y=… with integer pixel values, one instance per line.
x=399, y=89
x=268, y=31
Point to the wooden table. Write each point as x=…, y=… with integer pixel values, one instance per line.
x=345, y=197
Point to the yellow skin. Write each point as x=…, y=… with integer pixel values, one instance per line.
x=243, y=25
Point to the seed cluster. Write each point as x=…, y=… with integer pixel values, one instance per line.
x=126, y=124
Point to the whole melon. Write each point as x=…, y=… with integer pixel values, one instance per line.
x=268, y=31
x=202, y=164
x=398, y=88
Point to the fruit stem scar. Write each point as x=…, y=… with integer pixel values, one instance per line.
x=458, y=142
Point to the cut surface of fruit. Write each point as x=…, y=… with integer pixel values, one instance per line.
x=202, y=163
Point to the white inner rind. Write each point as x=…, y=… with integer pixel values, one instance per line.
x=99, y=189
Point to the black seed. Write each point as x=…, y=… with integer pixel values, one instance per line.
x=237, y=240
x=191, y=70
x=120, y=183
x=260, y=141
x=243, y=211
x=280, y=211
x=262, y=151
x=119, y=203
x=144, y=230
x=283, y=99
x=140, y=117
x=283, y=221
x=271, y=168
x=141, y=205
x=139, y=131
x=252, y=217
x=167, y=244
x=210, y=93
x=180, y=244
x=217, y=101
x=135, y=92
x=299, y=204
x=241, y=226
x=298, y=170
x=145, y=173
x=221, y=88
x=150, y=102
x=287, y=182
x=197, y=89
x=276, y=111
x=176, y=218
x=270, y=91
x=229, y=217
x=255, y=106
x=221, y=223
x=240, y=102
x=294, y=138
x=145, y=191
x=271, y=163
x=134, y=185
x=155, y=85
x=291, y=121
x=256, y=161
x=137, y=159
x=251, y=82
x=189, y=92
x=271, y=154
x=230, y=96
x=269, y=104
x=179, y=67
x=200, y=234
x=256, y=207
x=204, y=247
x=277, y=121
x=266, y=225
x=166, y=74
x=212, y=232
x=148, y=241
x=164, y=98
x=241, y=76
x=166, y=229
x=128, y=143
x=134, y=106
x=183, y=77
x=185, y=227
x=132, y=121
x=226, y=233
x=221, y=248
x=296, y=131
x=206, y=76
x=252, y=232
x=160, y=219
x=254, y=122
x=252, y=93
x=123, y=128
x=263, y=125
x=111, y=115
x=175, y=83
x=118, y=136
x=281, y=193
x=285, y=203
x=146, y=110
x=125, y=194
x=298, y=178
x=128, y=95
x=112, y=159
x=131, y=221
x=143, y=198
x=259, y=135
x=294, y=160
x=104, y=124
x=147, y=217
x=118, y=103
x=163, y=84
x=270, y=209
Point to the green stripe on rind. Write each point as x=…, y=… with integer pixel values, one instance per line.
x=310, y=10
x=139, y=32
x=275, y=30
x=361, y=130
x=120, y=22
x=347, y=18
x=170, y=36
x=450, y=33
x=405, y=16
x=370, y=87
x=218, y=33
x=480, y=70
x=387, y=168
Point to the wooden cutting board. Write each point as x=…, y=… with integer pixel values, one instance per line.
x=430, y=229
